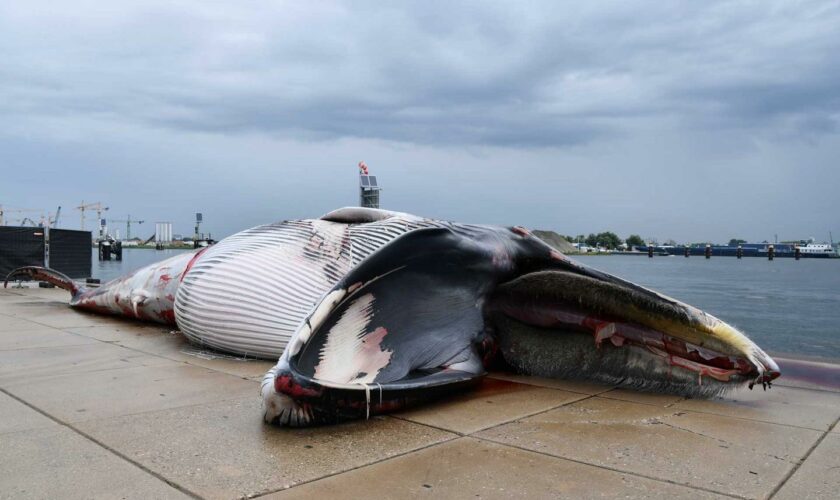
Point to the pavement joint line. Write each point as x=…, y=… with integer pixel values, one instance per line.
x=752, y=420
x=796, y=467
x=745, y=419
x=534, y=384
x=593, y=396
x=458, y=433
x=180, y=407
x=706, y=412
x=361, y=466
x=79, y=372
x=102, y=445
x=11, y=316
x=39, y=347
x=614, y=469
x=605, y=395
x=520, y=417
x=50, y=326
x=116, y=343
x=816, y=389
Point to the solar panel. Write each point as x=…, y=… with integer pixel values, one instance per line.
x=373, y=181
x=364, y=180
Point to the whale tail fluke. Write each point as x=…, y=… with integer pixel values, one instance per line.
x=45, y=274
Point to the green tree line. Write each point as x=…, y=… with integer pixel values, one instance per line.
x=607, y=239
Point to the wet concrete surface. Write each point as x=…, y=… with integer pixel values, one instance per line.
x=98, y=407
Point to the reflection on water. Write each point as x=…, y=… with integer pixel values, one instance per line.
x=786, y=306
x=133, y=259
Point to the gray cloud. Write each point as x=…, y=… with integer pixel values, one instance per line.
x=516, y=74
x=597, y=109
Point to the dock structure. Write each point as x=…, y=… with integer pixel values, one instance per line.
x=368, y=188
x=765, y=250
x=95, y=406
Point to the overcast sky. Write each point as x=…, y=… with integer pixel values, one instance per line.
x=687, y=120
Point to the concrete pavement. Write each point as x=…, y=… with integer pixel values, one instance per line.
x=98, y=407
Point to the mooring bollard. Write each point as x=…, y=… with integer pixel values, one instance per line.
x=771, y=252
x=104, y=251
x=650, y=251
x=708, y=251
x=797, y=253
x=686, y=251
x=740, y=252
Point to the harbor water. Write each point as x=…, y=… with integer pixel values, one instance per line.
x=790, y=308
x=133, y=259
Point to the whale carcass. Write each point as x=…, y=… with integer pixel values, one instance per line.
x=371, y=311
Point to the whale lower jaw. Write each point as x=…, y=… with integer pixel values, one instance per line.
x=540, y=352
x=280, y=409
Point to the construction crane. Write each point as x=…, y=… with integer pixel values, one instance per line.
x=128, y=222
x=92, y=206
x=5, y=212
x=52, y=221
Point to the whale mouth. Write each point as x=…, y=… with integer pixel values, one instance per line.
x=561, y=324
x=428, y=314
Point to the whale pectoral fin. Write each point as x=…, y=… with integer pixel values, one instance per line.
x=384, y=334
x=409, y=327
x=411, y=310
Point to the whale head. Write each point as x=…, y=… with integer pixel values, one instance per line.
x=428, y=313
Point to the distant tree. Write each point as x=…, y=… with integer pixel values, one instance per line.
x=609, y=239
x=634, y=240
x=735, y=242
x=580, y=238
x=591, y=240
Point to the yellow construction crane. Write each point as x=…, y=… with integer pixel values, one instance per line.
x=5, y=212
x=92, y=206
x=128, y=222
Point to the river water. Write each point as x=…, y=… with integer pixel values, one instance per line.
x=788, y=307
x=133, y=258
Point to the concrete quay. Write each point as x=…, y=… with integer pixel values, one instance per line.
x=100, y=407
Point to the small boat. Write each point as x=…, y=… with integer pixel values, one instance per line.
x=817, y=249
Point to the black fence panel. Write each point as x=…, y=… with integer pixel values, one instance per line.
x=71, y=252
x=21, y=246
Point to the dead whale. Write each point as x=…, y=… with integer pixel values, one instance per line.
x=372, y=311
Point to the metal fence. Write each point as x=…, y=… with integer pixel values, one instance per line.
x=64, y=250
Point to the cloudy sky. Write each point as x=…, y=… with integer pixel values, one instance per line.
x=685, y=120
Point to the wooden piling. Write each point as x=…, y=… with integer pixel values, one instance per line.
x=650, y=251
x=771, y=252
x=797, y=253
x=708, y=251
x=687, y=251
x=739, y=252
